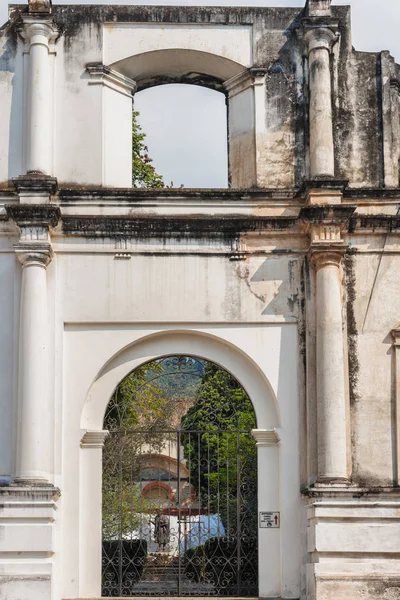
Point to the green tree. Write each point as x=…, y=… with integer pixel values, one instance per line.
x=216, y=433
x=143, y=172
x=139, y=404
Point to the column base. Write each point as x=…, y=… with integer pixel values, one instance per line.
x=323, y=482
x=27, y=540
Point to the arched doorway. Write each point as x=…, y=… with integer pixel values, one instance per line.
x=180, y=483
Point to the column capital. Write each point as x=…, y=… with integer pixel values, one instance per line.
x=94, y=439
x=316, y=36
x=38, y=29
x=329, y=256
x=266, y=437
x=326, y=222
x=34, y=255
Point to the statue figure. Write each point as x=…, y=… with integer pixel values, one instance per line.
x=161, y=530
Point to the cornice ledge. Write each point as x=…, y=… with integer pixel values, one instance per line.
x=28, y=492
x=154, y=225
x=35, y=182
x=327, y=213
x=266, y=437
x=100, y=74
x=94, y=439
x=378, y=223
x=33, y=215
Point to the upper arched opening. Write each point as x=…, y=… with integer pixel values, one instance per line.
x=178, y=66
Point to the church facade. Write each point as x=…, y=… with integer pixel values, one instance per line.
x=288, y=280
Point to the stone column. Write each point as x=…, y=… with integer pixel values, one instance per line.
x=319, y=41
x=39, y=106
x=269, y=540
x=35, y=423
x=331, y=394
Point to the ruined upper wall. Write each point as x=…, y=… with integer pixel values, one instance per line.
x=366, y=91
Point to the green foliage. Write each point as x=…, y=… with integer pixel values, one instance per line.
x=137, y=403
x=224, y=416
x=144, y=174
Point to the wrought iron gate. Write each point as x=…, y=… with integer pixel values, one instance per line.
x=180, y=513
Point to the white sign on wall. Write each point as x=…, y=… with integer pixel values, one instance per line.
x=270, y=519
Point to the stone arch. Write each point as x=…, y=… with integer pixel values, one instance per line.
x=243, y=87
x=178, y=65
x=167, y=343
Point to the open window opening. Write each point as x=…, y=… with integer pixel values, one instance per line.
x=186, y=137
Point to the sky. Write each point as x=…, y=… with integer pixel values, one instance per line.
x=181, y=120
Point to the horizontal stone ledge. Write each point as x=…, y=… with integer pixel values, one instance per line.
x=175, y=598
x=350, y=491
x=155, y=226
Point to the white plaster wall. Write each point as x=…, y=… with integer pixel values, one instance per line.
x=126, y=39
x=9, y=302
x=117, y=139
x=377, y=312
x=79, y=118
x=11, y=109
x=100, y=287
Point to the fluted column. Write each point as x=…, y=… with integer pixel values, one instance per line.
x=39, y=135
x=331, y=395
x=319, y=41
x=34, y=439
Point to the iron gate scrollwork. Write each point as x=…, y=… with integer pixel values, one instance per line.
x=179, y=503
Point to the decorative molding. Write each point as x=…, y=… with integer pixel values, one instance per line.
x=34, y=215
x=35, y=183
x=34, y=255
x=100, y=74
x=325, y=233
x=94, y=439
x=266, y=437
x=38, y=28
x=328, y=256
x=152, y=226
x=242, y=81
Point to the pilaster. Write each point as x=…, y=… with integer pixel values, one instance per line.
x=35, y=423
x=39, y=32
x=319, y=33
x=325, y=226
x=269, y=540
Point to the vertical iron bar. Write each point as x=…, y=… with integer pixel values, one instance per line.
x=238, y=527
x=179, y=510
x=199, y=483
x=120, y=516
